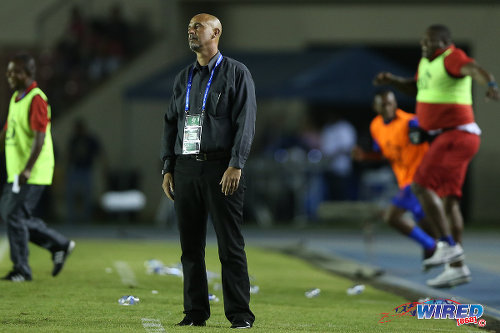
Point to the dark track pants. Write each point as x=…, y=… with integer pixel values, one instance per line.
x=197, y=194
x=16, y=211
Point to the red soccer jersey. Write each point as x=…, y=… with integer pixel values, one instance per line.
x=395, y=145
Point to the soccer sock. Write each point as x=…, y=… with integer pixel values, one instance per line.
x=449, y=239
x=420, y=236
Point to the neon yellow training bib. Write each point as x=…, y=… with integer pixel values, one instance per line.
x=19, y=140
x=435, y=85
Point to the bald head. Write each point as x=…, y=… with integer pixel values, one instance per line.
x=204, y=31
x=211, y=20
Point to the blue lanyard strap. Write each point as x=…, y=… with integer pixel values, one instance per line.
x=209, y=83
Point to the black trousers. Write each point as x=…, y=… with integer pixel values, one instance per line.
x=16, y=211
x=197, y=194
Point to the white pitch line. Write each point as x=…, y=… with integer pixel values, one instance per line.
x=4, y=246
x=152, y=325
x=126, y=273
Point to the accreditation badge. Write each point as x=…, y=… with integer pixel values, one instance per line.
x=191, y=142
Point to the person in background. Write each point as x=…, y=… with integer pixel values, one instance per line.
x=444, y=111
x=208, y=132
x=82, y=153
x=29, y=156
x=337, y=139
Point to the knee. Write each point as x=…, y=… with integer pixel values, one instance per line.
x=451, y=203
x=4, y=215
x=389, y=219
x=232, y=257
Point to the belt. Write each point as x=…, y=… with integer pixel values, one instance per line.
x=206, y=156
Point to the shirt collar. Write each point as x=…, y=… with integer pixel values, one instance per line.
x=211, y=63
x=396, y=115
x=438, y=52
x=32, y=86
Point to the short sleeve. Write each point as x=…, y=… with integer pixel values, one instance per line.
x=38, y=114
x=455, y=61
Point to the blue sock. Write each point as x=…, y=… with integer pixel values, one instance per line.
x=422, y=238
x=449, y=239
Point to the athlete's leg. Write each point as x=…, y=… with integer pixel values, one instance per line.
x=433, y=207
x=429, y=227
x=452, y=206
x=395, y=218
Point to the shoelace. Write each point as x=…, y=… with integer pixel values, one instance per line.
x=58, y=257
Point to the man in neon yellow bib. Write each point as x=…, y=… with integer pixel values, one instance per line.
x=29, y=158
x=444, y=111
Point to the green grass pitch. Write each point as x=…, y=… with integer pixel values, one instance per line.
x=84, y=297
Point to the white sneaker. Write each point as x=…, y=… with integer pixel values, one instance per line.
x=445, y=253
x=451, y=276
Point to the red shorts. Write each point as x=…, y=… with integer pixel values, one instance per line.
x=444, y=166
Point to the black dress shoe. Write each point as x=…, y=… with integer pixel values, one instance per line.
x=241, y=324
x=189, y=322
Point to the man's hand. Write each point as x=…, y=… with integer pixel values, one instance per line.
x=480, y=75
x=24, y=176
x=383, y=78
x=492, y=93
x=230, y=180
x=357, y=153
x=168, y=185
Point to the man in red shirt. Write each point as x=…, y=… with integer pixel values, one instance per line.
x=27, y=141
x=444, y=111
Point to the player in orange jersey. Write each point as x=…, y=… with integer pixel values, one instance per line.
x=390, y=132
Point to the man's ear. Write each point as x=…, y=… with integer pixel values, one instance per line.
x=216, y=32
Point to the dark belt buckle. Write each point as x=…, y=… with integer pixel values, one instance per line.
x=201, y=157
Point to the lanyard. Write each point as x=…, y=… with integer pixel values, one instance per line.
x=209, y=83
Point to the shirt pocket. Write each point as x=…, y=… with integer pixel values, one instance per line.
x=218, y=104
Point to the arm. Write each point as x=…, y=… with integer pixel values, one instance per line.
x=406, y=85
x=36, y=148
x=360, y=155
x=484, y=78
x=38, y=120
x=243, y=115
x=167, y=153
x=244, y=111
x=2, y=140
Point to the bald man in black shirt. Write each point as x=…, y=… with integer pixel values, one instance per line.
x=208, y=131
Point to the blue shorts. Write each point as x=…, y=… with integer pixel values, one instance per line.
x=406, y=200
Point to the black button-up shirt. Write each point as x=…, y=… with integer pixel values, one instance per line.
x=229, y=119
